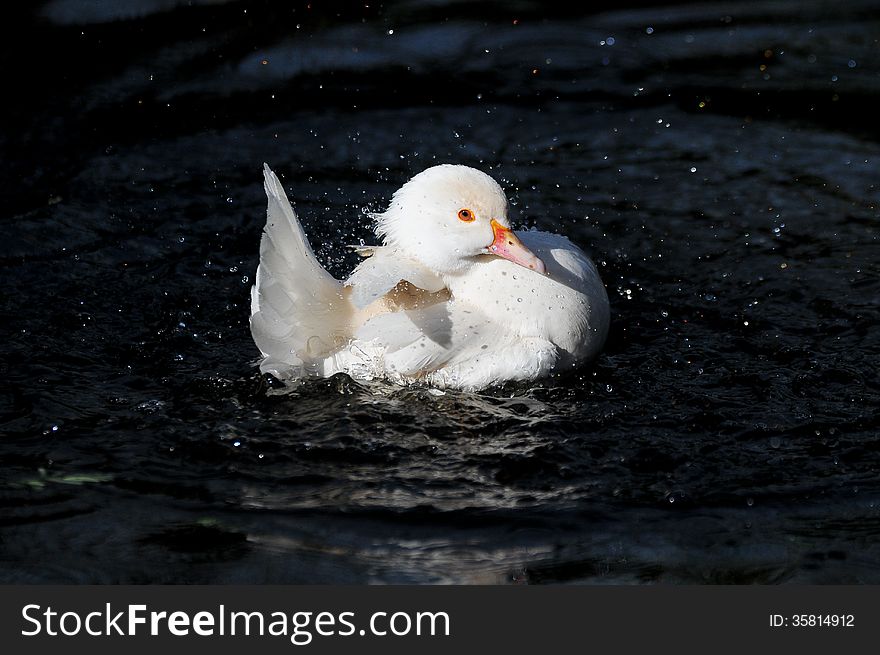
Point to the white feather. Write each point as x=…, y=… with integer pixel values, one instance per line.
x=447, y=345
x=385, y=269
x=298, y=310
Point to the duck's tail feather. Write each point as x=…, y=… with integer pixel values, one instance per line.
x=299, y=312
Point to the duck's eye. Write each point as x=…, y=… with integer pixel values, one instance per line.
x=466, y=215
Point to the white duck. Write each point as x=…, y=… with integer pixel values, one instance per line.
x=453, y=298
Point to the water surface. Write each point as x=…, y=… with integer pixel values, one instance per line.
x=718, y=162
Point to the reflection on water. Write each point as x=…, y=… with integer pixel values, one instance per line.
x=718, y=162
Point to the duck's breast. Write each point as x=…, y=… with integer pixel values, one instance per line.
x=568, y=306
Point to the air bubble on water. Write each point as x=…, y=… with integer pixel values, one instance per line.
x=750, y=501
x=519, y=299
x=851, y=63
x=150, y=405
x=260, y=456
x=693, y=169
x=649, y=30
x=236, y=443
x=245, y=279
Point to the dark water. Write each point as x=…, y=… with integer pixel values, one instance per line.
x=719, y=162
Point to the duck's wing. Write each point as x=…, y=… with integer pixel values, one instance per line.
x=298, y=310
x=382, y=270
x=453, y=344
x=424, y=339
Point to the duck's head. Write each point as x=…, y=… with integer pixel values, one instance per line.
x=448, y=217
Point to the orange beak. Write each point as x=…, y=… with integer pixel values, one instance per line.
x=508, y=246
